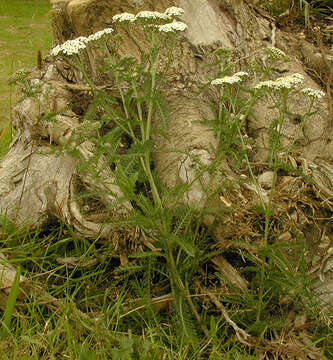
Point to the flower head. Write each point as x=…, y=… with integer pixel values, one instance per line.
x=174, y=12
x=234, y=79
x=265, y=84
x=69, y=47
x=173, y=27
x=99, y=34
x=313, y=93
x=124, y=17
x=287, y=82
x=152, y=16
x=276, y=54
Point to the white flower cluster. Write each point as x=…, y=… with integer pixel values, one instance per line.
x=174, y=12
x=124, y=17
x=234, y=79
x=152, y=16
x=313, y=93
x=71, y=47
x=286, y=82
x=173, y=27
x=99, y=34
x=276, y=54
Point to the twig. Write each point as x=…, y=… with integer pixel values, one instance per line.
x=242, y=335
x=158, y=300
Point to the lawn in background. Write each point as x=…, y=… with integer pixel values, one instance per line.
x=25, y=28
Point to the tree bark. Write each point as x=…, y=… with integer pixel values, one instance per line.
x=38, y=185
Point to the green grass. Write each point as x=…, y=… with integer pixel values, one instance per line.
x=106, y=311
x=25, y=29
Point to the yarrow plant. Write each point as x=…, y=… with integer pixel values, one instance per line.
x=149, y=20
x=131, y=116
x=233, y=109
x=279, y=92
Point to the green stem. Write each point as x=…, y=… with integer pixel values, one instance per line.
x=156, y=196
x=114, y=118
x=146, y=133
x=150, y=107
x=122, y=95
x=262, y=202
x=178, y=283
x=268, y=212
x=85, y=75
x=152, y=91
x=130, y=129
x=139, y=109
